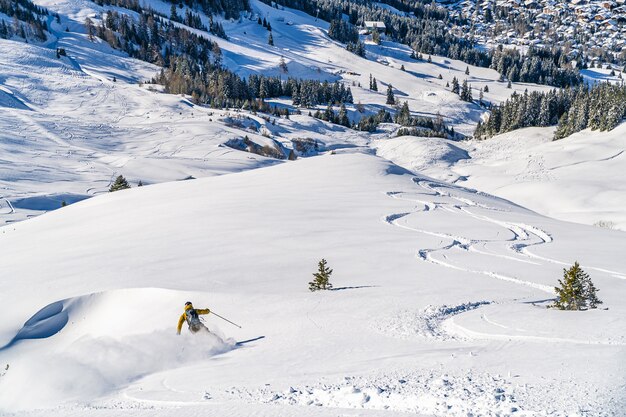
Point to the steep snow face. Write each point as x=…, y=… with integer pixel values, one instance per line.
x=439, y=305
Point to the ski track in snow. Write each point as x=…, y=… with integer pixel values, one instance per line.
x=524, y=235
x=516, y=250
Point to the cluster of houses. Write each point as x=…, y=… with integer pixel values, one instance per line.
x=593, y=28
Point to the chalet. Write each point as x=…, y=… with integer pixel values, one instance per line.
x=371, y=26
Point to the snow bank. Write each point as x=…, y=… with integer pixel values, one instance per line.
x=429, y=156
x=80, y=354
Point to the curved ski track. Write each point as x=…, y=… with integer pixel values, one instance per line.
x=516, y=249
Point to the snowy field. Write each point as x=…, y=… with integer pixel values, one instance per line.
x=439, y=306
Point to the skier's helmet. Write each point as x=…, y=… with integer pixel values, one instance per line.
x=188, y=303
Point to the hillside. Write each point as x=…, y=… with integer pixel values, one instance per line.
x=410, y=254
x=574, y=179
x=445, y=250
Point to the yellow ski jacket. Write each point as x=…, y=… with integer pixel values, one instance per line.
x=183, y=317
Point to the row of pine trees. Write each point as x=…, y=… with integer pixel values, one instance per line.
x=601, y=107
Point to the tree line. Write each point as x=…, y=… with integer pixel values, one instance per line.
x=600, y=107
x=28, y=19
x=192, y=65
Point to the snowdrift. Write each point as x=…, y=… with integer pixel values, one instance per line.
x=99, y=343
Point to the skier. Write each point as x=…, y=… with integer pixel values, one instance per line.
x=191, y=316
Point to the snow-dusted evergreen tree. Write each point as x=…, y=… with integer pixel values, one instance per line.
x=376, y=37
x=321, y=278
x=374, y=85
x=575, y=291
x=283, y=65
x=455, y=86
x=119, y=184
x=90, y=28
x=544, y=113
x=466, y=92
x=590, y=293
x=270, y=40
x=391, y=99
x=403, y=117
x=342, y=117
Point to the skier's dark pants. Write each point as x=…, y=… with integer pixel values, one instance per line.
x=198, y=326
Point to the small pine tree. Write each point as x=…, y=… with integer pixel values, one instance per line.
x=283, y=65
x=508, y=85
x=376, y=37
x=119, y=184
x=466, y=70
x=455, y=86
x=440, y=77
x=430, y=59
x=486, y=89
x=270, y=40
x=576, y=291
x=402, y=68
x=374, y=85
x=391, y=99
x=321, y=277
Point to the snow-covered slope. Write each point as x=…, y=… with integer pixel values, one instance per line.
x=438, y=308
x=439, y=305
x=575, y=179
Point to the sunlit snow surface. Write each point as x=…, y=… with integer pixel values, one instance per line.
x=440, y=296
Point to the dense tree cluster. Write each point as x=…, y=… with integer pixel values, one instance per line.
x=28, y=20
x=309, y=93
x=343, y=31
x=230, y=8
x=133, y=5
x=540, y=66
x=356, y=48
x=329, y=115
x=601, y=107
x=419, y=126
x=370, y=123
x=347, y=33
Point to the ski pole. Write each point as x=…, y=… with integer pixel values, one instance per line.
x=217, y=315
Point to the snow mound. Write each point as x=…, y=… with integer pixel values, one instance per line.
x=429, y=156
x=97, y=344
